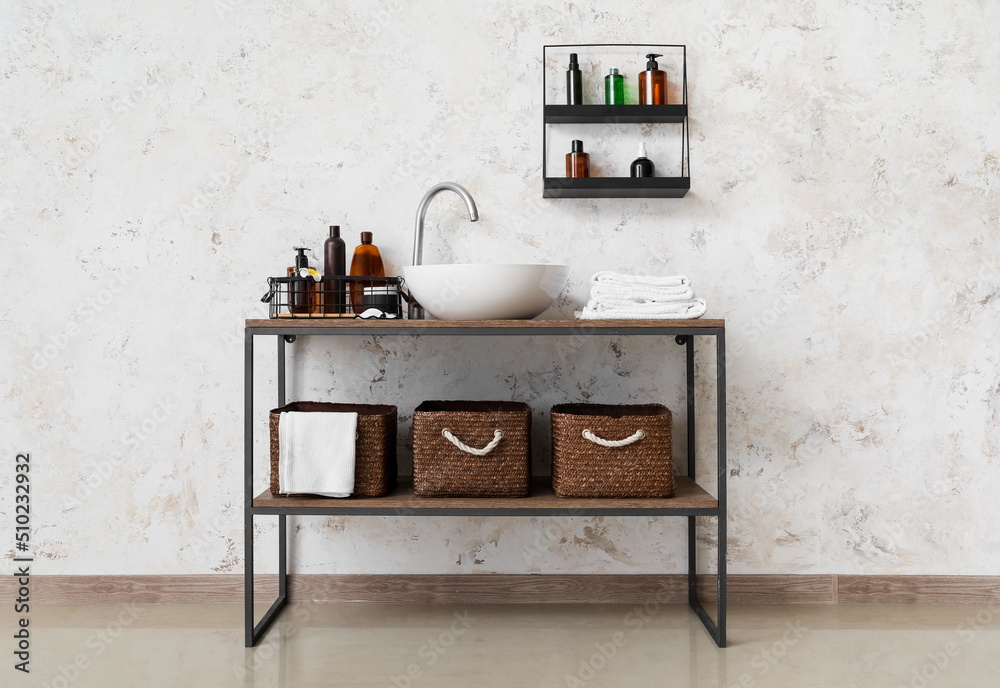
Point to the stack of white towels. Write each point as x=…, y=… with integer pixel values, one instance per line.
x=615, y=295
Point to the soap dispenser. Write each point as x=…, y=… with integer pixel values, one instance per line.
x=301, y=291
x=652, y=83
x=642, y=166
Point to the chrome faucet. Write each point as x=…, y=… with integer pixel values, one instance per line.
x=418, y=228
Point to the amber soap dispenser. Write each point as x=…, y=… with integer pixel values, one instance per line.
x=367, y=262
x=577, y=162
x=652, y=83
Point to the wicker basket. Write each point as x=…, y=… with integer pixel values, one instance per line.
x=374, y=450
x=472, y=449
x=611, y=451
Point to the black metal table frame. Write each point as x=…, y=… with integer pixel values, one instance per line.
x=684, y=336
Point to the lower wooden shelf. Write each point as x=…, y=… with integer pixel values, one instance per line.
x=689, y=499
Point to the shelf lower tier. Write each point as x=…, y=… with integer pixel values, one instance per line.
x=616, y=187
x=689, y=500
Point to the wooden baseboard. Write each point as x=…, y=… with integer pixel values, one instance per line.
x=512, y=589
x=918, y=589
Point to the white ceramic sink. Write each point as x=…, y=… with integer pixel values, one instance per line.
x=485, y=292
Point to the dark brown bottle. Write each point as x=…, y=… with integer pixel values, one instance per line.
x=301, y=292
x=334, y=265
x=577, y=162
x=367, y=262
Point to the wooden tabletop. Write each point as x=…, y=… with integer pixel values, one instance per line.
x=543, y=501
x=582, y=326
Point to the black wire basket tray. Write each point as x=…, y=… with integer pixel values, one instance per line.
x=335, y=297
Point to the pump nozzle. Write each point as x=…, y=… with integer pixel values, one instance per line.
x=651, y=64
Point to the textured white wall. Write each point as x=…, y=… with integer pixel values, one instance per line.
x=159, y=160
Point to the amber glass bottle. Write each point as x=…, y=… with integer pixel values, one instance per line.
x=577, y=162
x=367, y=262
x=652, y=83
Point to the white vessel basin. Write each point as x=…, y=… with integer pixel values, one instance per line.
x=487, y=291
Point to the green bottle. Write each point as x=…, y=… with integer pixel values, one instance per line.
x=614, y=88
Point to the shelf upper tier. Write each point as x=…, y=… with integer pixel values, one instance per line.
x=688, y=498
x=499, y=327
x=612, y=114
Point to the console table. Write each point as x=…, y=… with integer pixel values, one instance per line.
x=690, y=501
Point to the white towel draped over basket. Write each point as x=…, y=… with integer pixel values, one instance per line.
x=316, y=453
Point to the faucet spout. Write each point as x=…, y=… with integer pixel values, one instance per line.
x=418, y=228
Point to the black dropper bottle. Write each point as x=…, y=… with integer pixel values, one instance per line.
x=574, y=82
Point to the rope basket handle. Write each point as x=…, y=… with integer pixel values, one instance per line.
x=639, y=434
x=497, y=436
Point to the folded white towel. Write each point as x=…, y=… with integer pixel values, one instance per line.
x=316, y=453
x=620, y=278
x=595, y=310
x=604, y=291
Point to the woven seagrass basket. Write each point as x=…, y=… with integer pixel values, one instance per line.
x=601, y=450
x=472, y=449
x=374, y=449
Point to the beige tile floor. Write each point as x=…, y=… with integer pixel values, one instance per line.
x=518, y=645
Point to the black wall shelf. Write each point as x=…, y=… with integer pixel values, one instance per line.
x=617, y=187
x=611, y=114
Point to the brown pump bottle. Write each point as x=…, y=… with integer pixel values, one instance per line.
x=652, y=83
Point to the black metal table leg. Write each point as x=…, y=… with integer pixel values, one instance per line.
x=248, y=487
x=723, y=475
x=254, y=633
x=717, y=628
x=691, y=467
x=282, y=525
